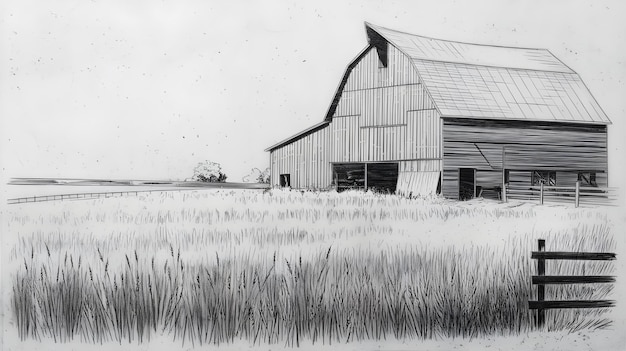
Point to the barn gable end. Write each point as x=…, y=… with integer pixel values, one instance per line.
x=382, y=114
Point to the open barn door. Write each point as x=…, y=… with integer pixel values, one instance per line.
x=349, y=176
x=382, y=177
x=467, y=183
x=420, y=183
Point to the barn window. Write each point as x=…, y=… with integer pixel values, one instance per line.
x=544, y=177
x=587, y=179
x=285, y=180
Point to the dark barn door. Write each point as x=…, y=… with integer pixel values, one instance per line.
x=467, y=183
x=285, y=180
x=382, y=177
x=348, y=176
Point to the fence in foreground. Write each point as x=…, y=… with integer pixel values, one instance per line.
x=541, y=280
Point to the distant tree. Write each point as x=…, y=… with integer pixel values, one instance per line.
x=257, y=176
x=209, y=172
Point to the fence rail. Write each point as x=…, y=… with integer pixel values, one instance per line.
x=568, y=194
x=560, y=255
x=541, y=280
x=79, y=196
x=170, y=186
x=572, y=279
x=544, y=305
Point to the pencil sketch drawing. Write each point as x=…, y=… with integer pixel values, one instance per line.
x=451, y=195
x=420, y=116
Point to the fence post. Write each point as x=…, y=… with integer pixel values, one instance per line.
x=541, y=194
x=541, y=288
x=577, y=193
x=504, y=185
x=504, y=174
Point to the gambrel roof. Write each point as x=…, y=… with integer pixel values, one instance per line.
x=483, y=81
x=495, y=82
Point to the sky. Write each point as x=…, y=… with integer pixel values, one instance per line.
x=147, y=89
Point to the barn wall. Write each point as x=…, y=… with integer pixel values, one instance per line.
x=306, y=160
x=344, y=145
x=450, y=186
x=480, y=144
x=393, y=116
x=528, y=145
x=563, y=178
x=384, y=114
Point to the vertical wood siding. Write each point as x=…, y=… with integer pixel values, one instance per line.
x=418, y=177
x=420, y=166
x=368, y=75
x=384, y=114
x=423, y=134
x=306, y=160
x=344, y=143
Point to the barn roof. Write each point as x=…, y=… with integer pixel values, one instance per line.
x=299, y=135
x=494, y=82
x=484, y=81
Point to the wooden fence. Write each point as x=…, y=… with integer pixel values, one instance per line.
x=562, y=194
x=541, y=280
x=171, y=186
x=81, y=196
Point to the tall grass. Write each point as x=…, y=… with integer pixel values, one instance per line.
x=355, y=269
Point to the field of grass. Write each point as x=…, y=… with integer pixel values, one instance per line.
x=279, y=267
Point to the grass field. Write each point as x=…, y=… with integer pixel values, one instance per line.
x=288, y=268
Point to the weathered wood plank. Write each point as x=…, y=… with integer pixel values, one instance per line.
x=572, y=279
x=548, y=304
x=561, y=255
x=523, y=147
x=526, y=145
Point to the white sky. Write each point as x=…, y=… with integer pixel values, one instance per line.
x=147, y=89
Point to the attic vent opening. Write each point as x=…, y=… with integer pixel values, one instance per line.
x=382, y=58
x=377, y=41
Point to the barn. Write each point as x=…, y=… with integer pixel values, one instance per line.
x=418, y=116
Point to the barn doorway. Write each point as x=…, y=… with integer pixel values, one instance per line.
x=285, y=180
x=382, y=177
x=467, y=183
x=347, y=176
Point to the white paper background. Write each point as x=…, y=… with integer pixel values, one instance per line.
x=146, y=89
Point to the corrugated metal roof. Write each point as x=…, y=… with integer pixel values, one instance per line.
x=488, y=92
x=424, y=48
x=491, y=82
x=480, y=81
